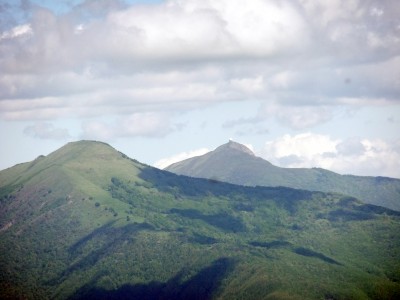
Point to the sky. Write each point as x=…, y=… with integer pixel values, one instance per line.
x=303, y=83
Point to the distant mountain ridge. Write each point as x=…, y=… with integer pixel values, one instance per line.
x=235, y=163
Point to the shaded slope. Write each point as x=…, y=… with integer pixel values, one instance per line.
x=88, y=222
x=234, y=163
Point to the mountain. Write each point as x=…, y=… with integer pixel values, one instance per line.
x=88, y=222
x=235, y=163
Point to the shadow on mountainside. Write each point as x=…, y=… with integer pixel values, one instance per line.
x=180, y=185
x=222, y=221
x=204, y=285
x=100, y=243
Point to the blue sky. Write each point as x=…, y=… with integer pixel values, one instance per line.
x=64, y=7
x=303, y=83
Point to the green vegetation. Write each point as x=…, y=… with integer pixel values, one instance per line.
x=87, y=222
x=236, y=164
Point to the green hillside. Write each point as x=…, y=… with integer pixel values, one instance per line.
x=87, y=222
x=234, y=163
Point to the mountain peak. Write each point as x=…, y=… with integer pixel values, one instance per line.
x=235, y=146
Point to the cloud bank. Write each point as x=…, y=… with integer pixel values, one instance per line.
x=351, y=156
x=106, y=58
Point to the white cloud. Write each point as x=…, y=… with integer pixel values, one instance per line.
x=326, y=12
x=208, y=29
x=283, y=79
x=302, y=58
x=374, y=157
x=24, y=29
x=296, y=117
x=351, y=147
x=165, y=162
x=304, y=145
x=376, y=12
x=43, y=130
x=137, y=124
x=249, y=86
x=380, y=157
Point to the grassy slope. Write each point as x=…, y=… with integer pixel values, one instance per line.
x=87, y=221
x=229, y=165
